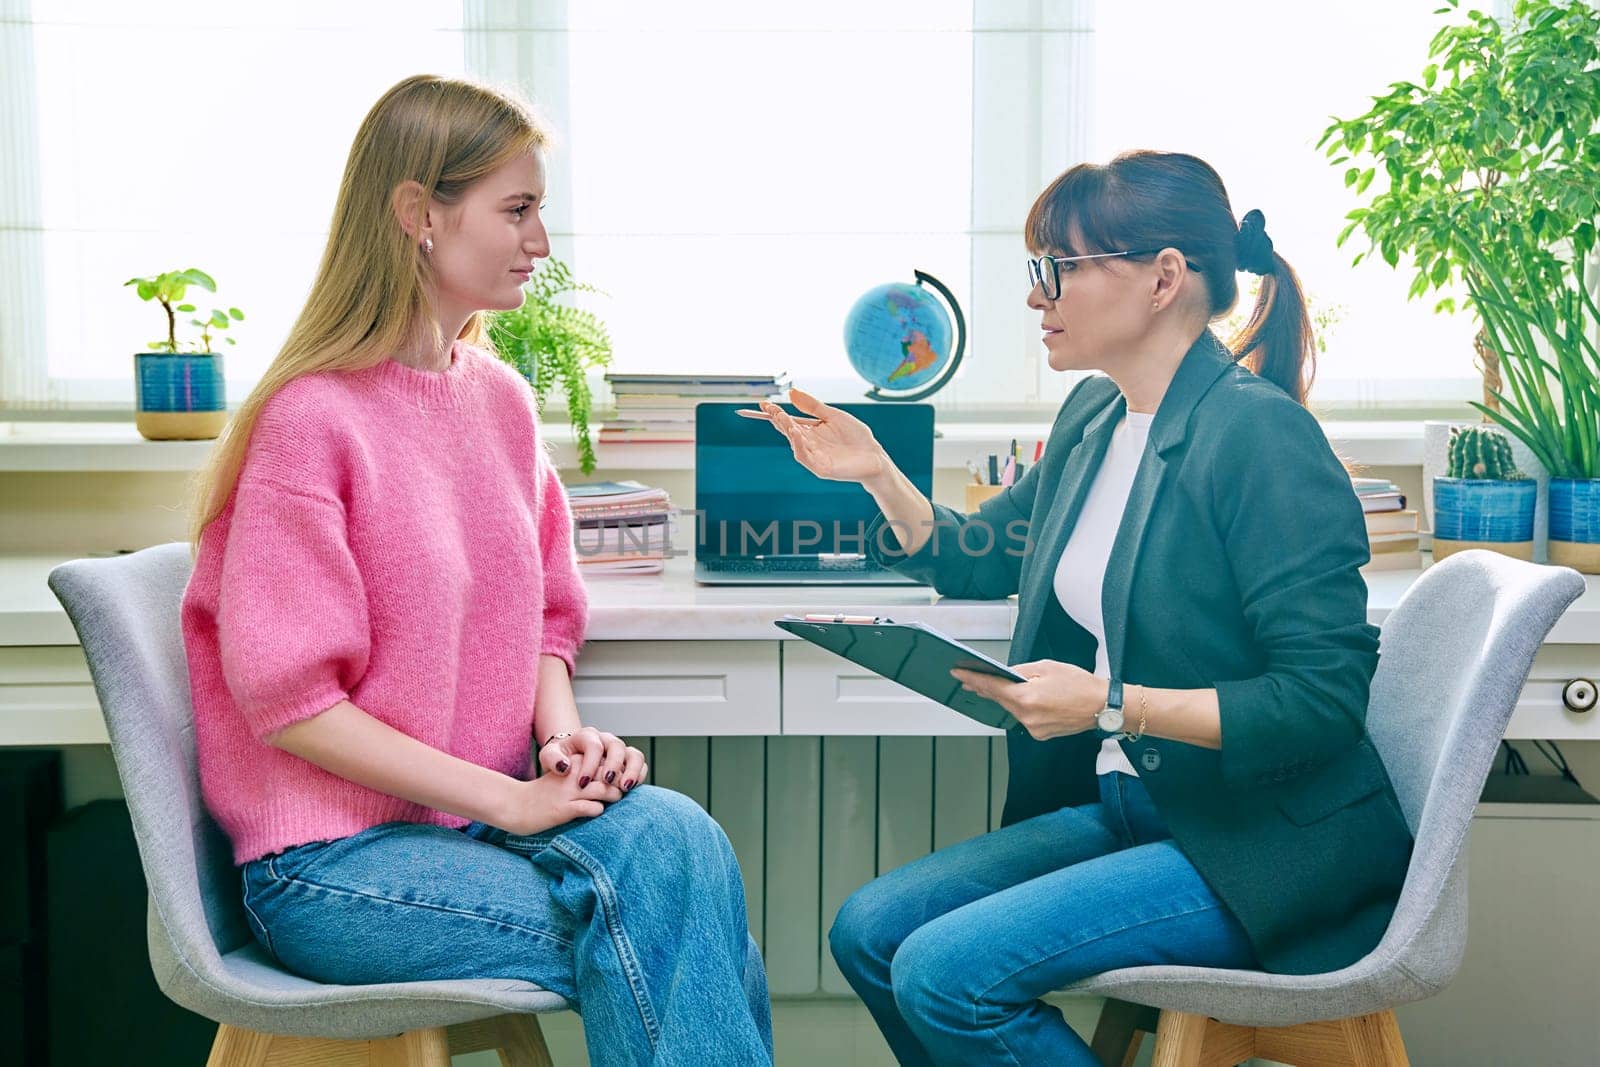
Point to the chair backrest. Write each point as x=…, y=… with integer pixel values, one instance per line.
x=126, y=612
x=1454, y=655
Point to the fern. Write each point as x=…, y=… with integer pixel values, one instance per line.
x=552, y=343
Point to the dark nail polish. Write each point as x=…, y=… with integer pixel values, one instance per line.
x=611, y=776
x=627, y=785
x=583, y=782
x=561, y=768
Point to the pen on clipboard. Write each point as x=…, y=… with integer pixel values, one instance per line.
x=870, y=620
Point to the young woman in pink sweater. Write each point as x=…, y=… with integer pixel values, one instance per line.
x=382, y=625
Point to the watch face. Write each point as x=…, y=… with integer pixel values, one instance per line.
x=1110, y=719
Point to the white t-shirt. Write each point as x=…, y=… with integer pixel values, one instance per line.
x=1081, y=572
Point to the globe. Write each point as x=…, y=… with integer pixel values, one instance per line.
x=899, y=338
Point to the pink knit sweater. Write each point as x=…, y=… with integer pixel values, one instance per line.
x=400, y=539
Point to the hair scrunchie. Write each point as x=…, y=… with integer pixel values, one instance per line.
x=1251, y=245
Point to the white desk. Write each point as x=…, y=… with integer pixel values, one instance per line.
x=668, y=657
x=824, y=776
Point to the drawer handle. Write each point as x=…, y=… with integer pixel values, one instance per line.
x=1579, y=694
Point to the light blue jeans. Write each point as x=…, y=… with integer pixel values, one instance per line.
x=636, y=916
x=952, y=952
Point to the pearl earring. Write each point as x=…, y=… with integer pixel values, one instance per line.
x=1155, y=305
x=427, y=246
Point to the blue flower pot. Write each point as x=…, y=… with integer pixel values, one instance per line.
x=1575, y=523
x=179, y=396
x=1483, y=513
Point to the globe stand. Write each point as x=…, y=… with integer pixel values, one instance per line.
x=938, y=383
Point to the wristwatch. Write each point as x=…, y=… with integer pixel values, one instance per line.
x=1110, y=717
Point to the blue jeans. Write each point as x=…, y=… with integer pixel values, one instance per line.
x=636, y=916
x=952, y=952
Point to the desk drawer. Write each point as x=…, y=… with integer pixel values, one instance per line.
x=679, y=688
x=1541, y=712
x=827, y=694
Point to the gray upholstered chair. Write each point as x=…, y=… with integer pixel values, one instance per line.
x=125, y=610
x=1455, y=652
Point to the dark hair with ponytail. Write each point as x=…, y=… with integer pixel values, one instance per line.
x=1156, y=200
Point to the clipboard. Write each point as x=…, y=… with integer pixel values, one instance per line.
x=913, y=654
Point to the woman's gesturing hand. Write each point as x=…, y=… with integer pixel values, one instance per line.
x=831, y=444
x=1056, y=700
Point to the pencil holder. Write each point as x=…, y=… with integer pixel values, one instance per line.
x=977, y=494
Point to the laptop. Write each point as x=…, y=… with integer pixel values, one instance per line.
x=763, y=519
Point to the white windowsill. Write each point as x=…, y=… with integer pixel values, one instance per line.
x=90, y=446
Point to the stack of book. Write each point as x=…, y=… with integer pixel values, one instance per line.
x=659, y=408
x=620, y=527
x=1392, y=528
x=1378, y=494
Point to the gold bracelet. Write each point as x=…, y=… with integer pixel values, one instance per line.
x=1144, y=714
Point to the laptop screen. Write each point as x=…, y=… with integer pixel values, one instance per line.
x=754, y=497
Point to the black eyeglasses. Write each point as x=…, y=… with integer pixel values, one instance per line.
x=1044, y=271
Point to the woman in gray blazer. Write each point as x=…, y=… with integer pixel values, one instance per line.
x=1192, y=781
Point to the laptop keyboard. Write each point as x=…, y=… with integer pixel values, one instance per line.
x=791, y=566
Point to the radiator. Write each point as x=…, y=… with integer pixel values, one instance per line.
x=813, y=818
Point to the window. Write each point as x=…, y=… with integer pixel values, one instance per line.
x=153, y=138
x=1249, y=85
x=732, y=175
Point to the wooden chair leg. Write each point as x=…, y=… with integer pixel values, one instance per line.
x=1184, y=1040
x=1375, y=1041
x=414, y=1048
x=1180, y=1038
x=1187, y=1040
x=1120, y=1032
x=522, y=1042
x=233, y=1047
x=236, y=1047
x=517, y=1038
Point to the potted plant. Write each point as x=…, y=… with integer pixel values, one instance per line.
x=181, y=395
x=1482, y=501
x=548, y=340
x=1490, y=170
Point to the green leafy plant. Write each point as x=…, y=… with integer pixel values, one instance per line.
x=1551, y=364
x=1323, y=317
x=1482, y=453
x=549, y=341
x=168, y=289
x=1491, y=178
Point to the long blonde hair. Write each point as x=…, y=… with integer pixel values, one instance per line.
x=371, y=294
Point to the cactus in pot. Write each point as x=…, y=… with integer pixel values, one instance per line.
x=1484, y=501
x=1479, y=452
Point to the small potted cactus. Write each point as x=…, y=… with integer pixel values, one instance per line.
x=1483, y=501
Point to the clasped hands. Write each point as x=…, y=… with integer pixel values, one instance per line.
x=595, y=758
x=1058, y=699
x=582, y=774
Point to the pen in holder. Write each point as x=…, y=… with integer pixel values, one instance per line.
x=977, y=494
